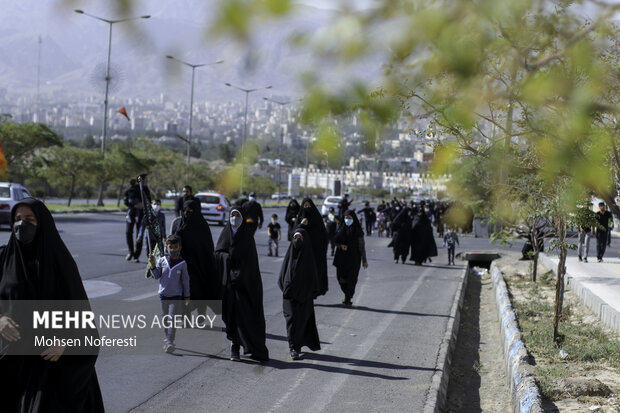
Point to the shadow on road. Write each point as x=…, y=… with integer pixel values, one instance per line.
x=363, y=363
x=284, y=338
x=302, y=364
x=380, y=310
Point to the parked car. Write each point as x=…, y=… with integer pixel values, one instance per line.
x=10, y=194
x=214, y=206
x=283, y=195
x=330, y=202
x=172, y=194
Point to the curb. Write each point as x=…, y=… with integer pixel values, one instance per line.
x=523, y=388
x=438, y=392
x=607, y=314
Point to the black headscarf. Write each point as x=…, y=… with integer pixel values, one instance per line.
x=44, y=270
x=292, y=210
x=352, y=232
x=242, y=306
x=298, y=276
x=197, y=250
x=349, y=236
x=318, y=235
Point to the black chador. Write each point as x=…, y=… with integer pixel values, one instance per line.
x=401, y=238
x=318, y=235
x=292, y=210
x=422, y=241
x=242, y=307
x=36, y=265
x=197, y=249
x=350, y=253
x=299, y=284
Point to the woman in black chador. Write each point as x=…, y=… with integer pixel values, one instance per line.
x=298, y=282
x=197, y=246
x=242, y=306
x=292, y=210
x=350, y=253
x=310, y=219
x=36, y=265
x=401, y=238
x=422, y=241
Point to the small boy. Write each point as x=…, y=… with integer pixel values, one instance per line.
x=273, y=232
x=171, y=271
x=450, y=241
x=161, y=219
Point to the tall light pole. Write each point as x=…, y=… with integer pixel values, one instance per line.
x=282, y=104
x=245, y=123
x=107, y=70
x=107, y=83
x=191, y=99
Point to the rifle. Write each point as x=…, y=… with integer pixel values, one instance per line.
x=152, y=225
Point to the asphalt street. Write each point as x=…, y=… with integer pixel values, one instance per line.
x=378, y=356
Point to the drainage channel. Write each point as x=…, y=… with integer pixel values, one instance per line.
x=478, y=380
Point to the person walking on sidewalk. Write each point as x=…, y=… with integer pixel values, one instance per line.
x=186, y=195
x=611, y=226
x=135, y=213
x=450, y=241
x=331, y=226
x=584, y=243
x=171, y=271
x=161, y=220
x=350, y=254
x=299, y=285
x=274, y=233
x=253, y=213
x=242, y=302
x=603, y=217
x=292, y=210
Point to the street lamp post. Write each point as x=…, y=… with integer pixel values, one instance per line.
x=282, y=104
x=245, y=127
x=107, y=83
x=191, y=101
x=107, y=70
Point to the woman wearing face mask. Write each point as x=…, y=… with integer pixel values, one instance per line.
x=292, y=210
x=242, y=307
x=197, y=247
x=310, y=219
x=298, y=282
x=36, y=265
x=350, y=253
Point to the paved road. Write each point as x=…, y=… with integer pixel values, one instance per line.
x=378, y=356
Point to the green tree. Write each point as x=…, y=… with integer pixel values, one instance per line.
x=20, y=143
x=67, y=167
x=225, y=152
x=262, y=185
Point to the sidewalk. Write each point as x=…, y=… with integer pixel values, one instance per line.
x=596, y=284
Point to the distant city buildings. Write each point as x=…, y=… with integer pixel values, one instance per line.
x=400, y=161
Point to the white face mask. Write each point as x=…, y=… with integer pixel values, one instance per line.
x=235, y=221
x=273, y=220
x=348, y=222
x=156, y=208
x=252, y=198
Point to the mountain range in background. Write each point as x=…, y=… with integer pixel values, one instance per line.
x=73, y=51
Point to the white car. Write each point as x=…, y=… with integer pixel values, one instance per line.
x=10, y=194
x=330, y=202
x=214, y=206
